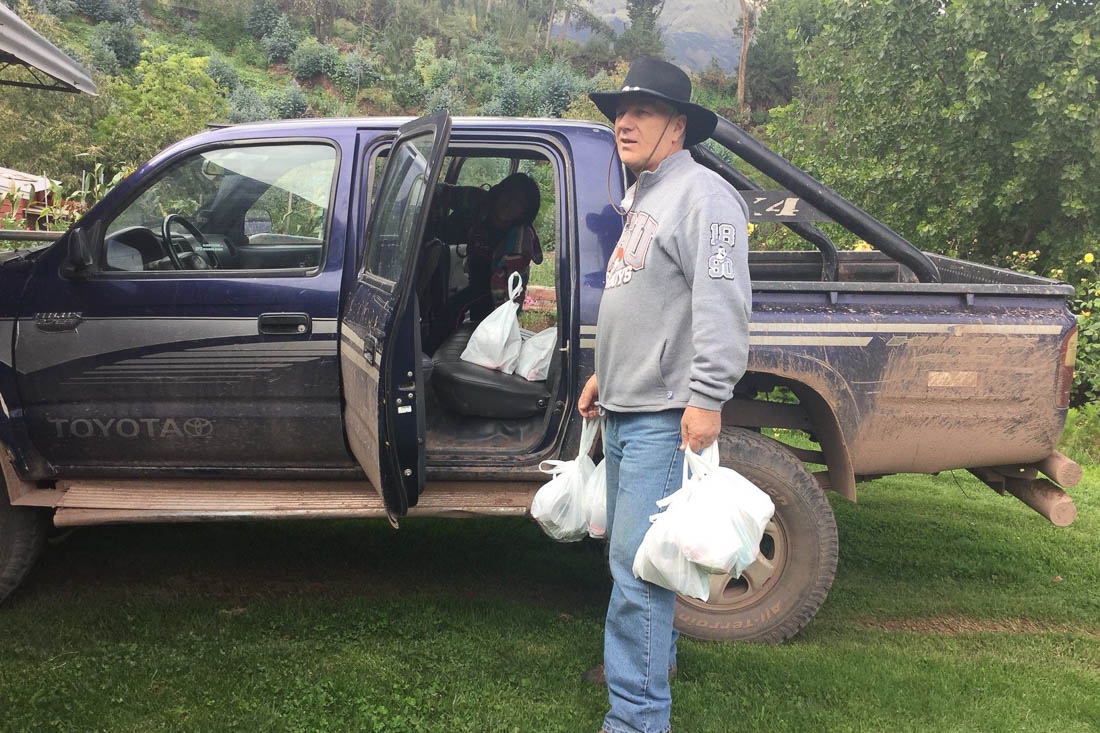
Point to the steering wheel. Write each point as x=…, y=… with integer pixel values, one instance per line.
x=193, y=254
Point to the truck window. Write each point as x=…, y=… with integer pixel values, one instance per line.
x=389, y=240
x=261, y=207
x=483, y=172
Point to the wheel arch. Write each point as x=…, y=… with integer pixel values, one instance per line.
x=825, y=406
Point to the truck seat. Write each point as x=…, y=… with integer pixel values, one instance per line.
x=473, y=390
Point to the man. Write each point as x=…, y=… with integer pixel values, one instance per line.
x=671, y=343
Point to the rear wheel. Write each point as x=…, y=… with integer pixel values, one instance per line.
x=22, y=535
x=778, y=594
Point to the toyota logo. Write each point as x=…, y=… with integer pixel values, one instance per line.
x=198, y=427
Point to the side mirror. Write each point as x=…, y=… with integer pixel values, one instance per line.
x=78, y=257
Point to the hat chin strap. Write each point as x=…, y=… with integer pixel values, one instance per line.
x=645, y=166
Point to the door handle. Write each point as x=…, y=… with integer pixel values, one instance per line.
x=283, y=324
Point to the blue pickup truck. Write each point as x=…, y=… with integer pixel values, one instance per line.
x=235, y=332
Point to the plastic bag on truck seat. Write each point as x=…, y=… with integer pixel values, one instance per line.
x=559, y=505
x=660, y=561
x=595, y=492
x=495, y=343
x=535, y=354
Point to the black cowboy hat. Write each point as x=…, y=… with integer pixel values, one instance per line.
x=668, y=83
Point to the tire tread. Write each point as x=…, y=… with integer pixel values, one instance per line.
x=770, y=456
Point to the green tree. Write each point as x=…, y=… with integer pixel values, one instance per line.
x=642, y=37
x=172, y=97
x=322, y=13
x=784, y=29
x=263, y=15
x=281, y=42
x=121, y=39
x=312, y=58
x=971, y=126
x=223, y=73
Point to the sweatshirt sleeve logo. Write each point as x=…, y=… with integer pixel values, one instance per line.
x=630, y=253
x=722, y=241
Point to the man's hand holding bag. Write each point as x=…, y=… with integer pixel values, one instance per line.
x=712, y=524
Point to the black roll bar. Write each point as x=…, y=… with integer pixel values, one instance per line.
x=741, y=182
x=825, y=200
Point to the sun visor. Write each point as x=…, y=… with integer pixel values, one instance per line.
x=45, y=65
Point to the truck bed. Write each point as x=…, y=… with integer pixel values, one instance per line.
x=921, y=377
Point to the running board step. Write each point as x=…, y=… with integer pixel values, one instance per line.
x=91, y=501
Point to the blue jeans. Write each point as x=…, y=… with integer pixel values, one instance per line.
x=644, y=464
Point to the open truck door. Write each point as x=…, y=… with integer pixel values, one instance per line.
x=380, y=328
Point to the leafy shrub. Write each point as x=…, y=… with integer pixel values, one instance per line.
x=122, y=39
x=222, y=28
x=441, y=73
x=444, y=98
x=1081, y=437
x=435, y=71
x=312, y=58
x=507, y=97
x=290, y=103
x=353, y=72
x=551, y=89
x=102, y=57
x=408, y=91
x=263, y=16
x=130, y=10
x=345, y=30
x=247, y=105
x=56, y=8
x=1086, y=377
x=326, y=105
x=98, y=9
x=223, y=73
x=249, y=52
x=281, y=42
x=478, y=68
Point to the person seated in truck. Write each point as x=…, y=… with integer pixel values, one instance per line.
x=496, y=225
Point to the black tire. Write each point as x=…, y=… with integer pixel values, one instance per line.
x=779, y=594
x=22, y=536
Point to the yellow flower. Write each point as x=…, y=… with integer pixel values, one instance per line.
x=861, y=246
x=751, y=227
x=1089, y=258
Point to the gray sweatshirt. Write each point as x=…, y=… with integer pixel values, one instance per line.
x=673, y=328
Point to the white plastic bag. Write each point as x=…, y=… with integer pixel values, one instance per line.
x=722, y=515
x=559, y=505
x=535, y=355
x=595, y=492
x=495, y=343
x=712, y=524
x=660, y=561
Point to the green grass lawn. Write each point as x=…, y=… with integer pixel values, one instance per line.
x=954, y=609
